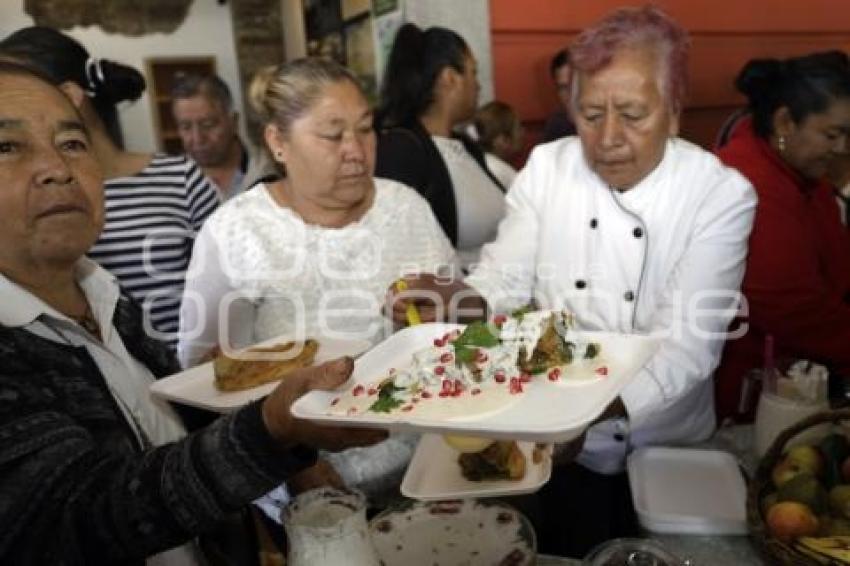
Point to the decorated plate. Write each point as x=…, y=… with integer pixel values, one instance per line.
x=454, y=533
x=196, y=386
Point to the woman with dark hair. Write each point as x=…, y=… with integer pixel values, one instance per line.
x=155, y=203
x=430, y=88
x=797, y=282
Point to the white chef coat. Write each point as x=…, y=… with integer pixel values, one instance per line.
x=630, y=262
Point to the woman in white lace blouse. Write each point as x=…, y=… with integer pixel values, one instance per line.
x=312, y=252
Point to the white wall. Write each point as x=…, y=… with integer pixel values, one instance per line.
x=206, y=31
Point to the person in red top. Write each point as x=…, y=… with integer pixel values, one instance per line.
x=797, y=282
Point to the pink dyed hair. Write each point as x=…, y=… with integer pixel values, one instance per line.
x=594, y=48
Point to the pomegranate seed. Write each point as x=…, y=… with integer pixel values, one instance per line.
x=516, y=386
x=407, y=408
x=446, y=337
x=371, y=391
x=358, y=390
x=603, y=371
x=499, y=377
x=458, y=388
x=439, y=370
x=447, y=385
x=525, y=377
x=554, y=374
x=444, y=393
x=446, y=358
x=426, y=394
x=475, y=391
x=335, y=401
x=438, y=343
x=500, y=319
x=480, y=356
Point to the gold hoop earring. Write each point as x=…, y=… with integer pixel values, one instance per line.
x=780, y=143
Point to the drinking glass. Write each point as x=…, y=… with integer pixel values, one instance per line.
x=328, y=526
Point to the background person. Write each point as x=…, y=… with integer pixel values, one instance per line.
x=89, y=462
x=430, y=89
x=560, y=124
x=208, y=125
x=499, y=133
x=629, y=227
x=839, y=176
x=797, y=282
x=155, y=203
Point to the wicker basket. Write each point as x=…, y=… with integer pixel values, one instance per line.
x=774, y=550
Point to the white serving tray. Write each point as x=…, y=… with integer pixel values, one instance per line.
x=546, y=412
x=196, y=386
x=688, y=491
x=434, y=474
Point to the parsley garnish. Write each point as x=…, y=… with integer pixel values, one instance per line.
x=386, y=402
x=521, y=312
x=476, y=335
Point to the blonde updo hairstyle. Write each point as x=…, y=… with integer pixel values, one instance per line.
x=280, y=94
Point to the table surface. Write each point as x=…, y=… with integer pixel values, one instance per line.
x=705, y=550
x=696, y=550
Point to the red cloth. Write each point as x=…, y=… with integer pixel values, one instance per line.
x=797, y=281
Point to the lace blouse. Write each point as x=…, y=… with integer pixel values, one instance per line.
x=275, y=275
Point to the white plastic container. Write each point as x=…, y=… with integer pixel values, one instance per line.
x=688, y=491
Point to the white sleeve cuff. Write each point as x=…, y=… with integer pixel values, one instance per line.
x=640, y=397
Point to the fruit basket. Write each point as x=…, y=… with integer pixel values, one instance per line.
x=827, y=543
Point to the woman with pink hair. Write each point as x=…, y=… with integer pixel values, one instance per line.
x=635, y=231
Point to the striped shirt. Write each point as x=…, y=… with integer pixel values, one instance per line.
x=151, y=221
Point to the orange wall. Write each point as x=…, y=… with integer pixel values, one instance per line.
x=724, y=35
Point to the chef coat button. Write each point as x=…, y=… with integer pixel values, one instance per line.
x=581, y=283
x=619, y=436
x=594, y=223
x=637, y=232
x=629, y=296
